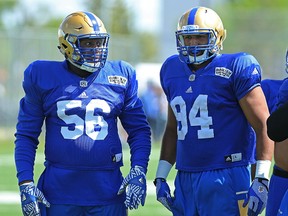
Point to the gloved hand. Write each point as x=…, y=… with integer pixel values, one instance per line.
x=135, y=182
x=163, y=192
x=257, y=196
x=30, y=196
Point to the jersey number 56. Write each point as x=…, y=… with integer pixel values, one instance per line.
x=86, y=125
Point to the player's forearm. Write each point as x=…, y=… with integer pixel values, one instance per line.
x=168, y=147
x=168, y=155
x=139, y=137
x=24, y=160
x=264, y=147
x=264, y=150
x=140, y=155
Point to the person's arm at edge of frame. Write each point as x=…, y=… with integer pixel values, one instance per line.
x=167, y=160
x=277, y=124
x=256, y=111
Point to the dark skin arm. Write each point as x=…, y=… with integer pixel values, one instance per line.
x=169, y=141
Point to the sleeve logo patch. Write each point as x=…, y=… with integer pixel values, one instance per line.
x=118, y=80
x=223, y=72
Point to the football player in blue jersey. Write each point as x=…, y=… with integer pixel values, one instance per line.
x=270, y=88
x=277, y=123
x=213, y=99
x=80, y=100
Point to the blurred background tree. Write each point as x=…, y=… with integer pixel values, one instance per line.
x=119, y=20
x=117, y=17
x=259, y=27
x=5, y=6
x=28, y=31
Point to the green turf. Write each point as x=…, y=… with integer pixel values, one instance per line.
x=8, y=181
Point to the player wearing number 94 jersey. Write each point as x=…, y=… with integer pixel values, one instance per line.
x=213, y=100
x=80, y=100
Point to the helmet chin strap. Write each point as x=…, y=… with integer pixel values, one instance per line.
x=199, y=59
x=84, y=67
x=89, y=69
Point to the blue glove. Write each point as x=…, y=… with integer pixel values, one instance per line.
x=163, y=192
x=257, y=196
x=30, y=196
x=135, y=186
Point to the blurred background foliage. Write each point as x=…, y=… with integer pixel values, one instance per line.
x=259, y=27
x=252, y=25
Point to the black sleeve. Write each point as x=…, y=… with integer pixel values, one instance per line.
x=277, y=124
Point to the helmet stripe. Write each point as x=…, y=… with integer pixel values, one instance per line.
x=192, y=14
x=93, y=20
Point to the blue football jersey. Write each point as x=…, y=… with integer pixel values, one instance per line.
x=283, y=93
x=213, y=132
x=80, y=118
x=271, y=89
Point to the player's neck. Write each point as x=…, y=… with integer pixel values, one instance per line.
x=195, y=67
x=81, y=73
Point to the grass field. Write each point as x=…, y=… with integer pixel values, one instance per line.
x=9, y=200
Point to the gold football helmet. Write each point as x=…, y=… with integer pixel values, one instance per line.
x=84, y=26
x=197, y=21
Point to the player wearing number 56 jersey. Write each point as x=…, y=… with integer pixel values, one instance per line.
x=80, y=100
x=213, y=99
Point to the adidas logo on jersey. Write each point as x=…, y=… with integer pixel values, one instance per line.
x=189, y=90
x=228, y=159
x=83, y=95
x=117, y=157
x=233, y=157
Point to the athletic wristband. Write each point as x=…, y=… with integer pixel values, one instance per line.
x=26, y=182
x=163, y=169
x=262, y=169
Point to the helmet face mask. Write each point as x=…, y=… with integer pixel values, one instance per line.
x=195, y=22
x=91, y=54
